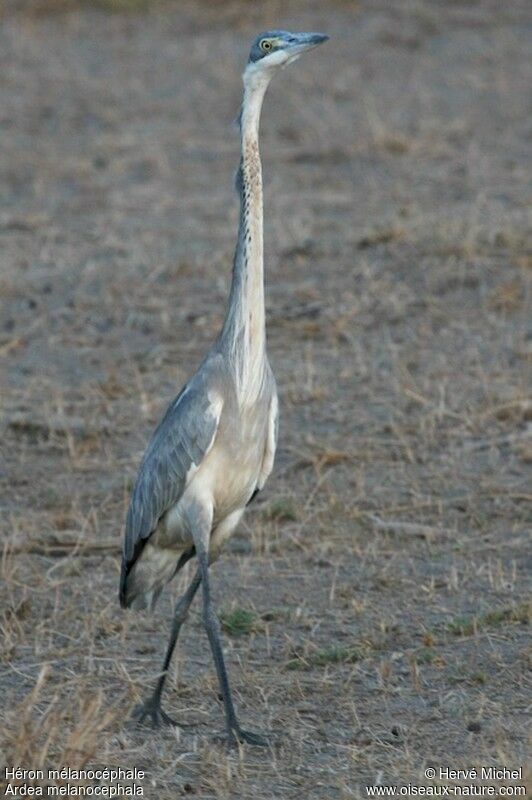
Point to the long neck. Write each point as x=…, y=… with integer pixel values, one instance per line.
x=243, y=334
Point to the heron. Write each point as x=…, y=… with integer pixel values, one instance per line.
x=214, y=448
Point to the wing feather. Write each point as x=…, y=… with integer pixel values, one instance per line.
x=180, y=442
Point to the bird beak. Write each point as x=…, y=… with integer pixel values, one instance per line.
x=303, y=42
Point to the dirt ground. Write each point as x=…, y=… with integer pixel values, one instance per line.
x=375, y=601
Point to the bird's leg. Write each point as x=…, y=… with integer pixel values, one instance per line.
x=152, y=707
x=212, y=626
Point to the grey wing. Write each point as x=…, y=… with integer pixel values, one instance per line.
x=180, y=442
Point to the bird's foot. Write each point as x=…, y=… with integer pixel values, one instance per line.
x=152, y=710
x=239, y=736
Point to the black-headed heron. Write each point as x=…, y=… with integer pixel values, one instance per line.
x=214, y=449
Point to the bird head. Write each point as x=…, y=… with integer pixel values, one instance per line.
x=274, y=49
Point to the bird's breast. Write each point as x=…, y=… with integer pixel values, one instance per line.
x=232, y=468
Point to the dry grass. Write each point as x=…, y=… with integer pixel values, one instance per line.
x=57, y=733
x=375, y=599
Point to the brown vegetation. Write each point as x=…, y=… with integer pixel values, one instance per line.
x=374, y=601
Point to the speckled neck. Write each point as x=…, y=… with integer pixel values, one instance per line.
x=243, y=333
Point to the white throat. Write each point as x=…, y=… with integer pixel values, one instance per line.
x=245, y=319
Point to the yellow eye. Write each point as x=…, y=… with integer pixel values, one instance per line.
x=266, y=45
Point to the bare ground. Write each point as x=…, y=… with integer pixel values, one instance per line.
x=375, y=601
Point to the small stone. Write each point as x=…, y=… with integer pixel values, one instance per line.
x=397, y=730
x=474, y=727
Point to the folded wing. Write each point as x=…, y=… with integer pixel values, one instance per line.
x=180, y=443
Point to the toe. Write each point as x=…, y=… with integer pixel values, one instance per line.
x=166, y=719
x=155, y=714
x=248, y=737
x=139, y=714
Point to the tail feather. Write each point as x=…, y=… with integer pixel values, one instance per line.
x=142, y=584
